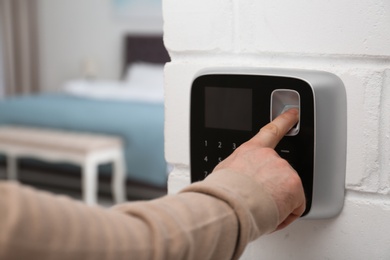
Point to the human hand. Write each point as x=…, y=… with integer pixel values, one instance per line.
x=257, y=158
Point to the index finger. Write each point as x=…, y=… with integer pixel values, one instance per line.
x=271, y=134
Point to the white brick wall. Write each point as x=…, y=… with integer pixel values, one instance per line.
x=349, y=38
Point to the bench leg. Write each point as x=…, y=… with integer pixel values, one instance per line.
x=89, y=182
x=12, y=168
x=119, y=180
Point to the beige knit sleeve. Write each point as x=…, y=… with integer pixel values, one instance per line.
x=212, y=219
x=255, y=210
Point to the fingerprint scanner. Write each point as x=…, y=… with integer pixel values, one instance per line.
x=283, y=100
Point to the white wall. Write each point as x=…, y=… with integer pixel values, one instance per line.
x=73, y=31
x=349, y=38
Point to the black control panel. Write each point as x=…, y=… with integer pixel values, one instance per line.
x=229, y=109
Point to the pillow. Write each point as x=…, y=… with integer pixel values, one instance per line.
x=145, y=75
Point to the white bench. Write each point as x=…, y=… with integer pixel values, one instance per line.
x=84, y=149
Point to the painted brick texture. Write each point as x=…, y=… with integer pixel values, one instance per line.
x=348, y=38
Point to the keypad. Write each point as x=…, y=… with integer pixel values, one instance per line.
x=213, y=151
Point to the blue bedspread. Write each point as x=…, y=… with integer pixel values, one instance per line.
x=139, y=124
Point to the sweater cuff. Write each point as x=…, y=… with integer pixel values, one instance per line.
x=255, y=208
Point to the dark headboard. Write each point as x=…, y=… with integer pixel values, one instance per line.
x=147, y=48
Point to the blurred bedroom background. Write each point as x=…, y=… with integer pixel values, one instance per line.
x=81, y=87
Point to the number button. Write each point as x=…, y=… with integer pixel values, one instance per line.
x=206, y=158
x=234, y=146
x=220, y=145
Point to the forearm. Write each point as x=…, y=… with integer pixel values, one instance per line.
x=36, y=225
x=206, y=221
x=255, y=210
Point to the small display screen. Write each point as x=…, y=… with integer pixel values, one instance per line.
x=228, y=108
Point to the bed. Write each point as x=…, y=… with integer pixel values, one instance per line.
x=132, y=109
